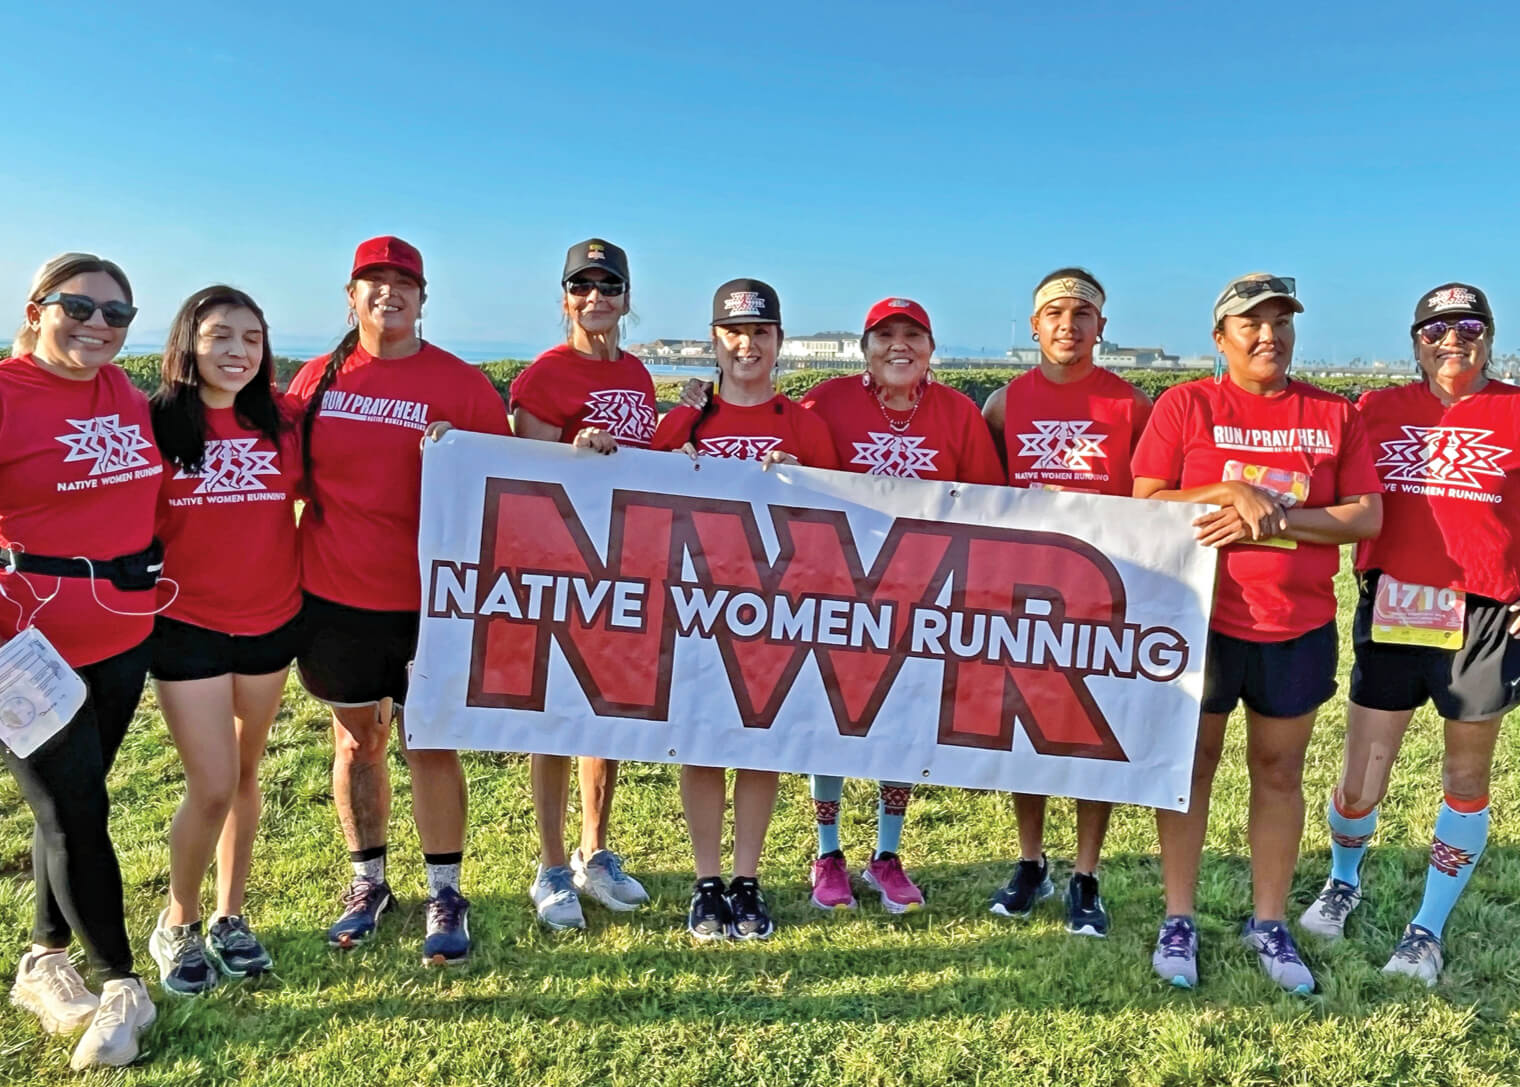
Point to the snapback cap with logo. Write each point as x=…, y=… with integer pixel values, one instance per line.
x=1452, y=300
x=388, y=251
x=898, y=307
x=746, y=302
x=595, y=253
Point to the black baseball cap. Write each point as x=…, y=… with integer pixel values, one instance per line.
x=595, y=253
x=1452, y=300
x=746, y=302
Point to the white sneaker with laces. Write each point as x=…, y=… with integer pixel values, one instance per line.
x=125, y=1012
x=602, y=877
x=48, y=986
x=1326, y=915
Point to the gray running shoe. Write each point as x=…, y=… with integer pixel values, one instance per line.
x=1278, y=955
x=1176, y=954
x=235, y=950
x=1417, y=956
x=1326, y=915
x=602, y=877
x=553, y=893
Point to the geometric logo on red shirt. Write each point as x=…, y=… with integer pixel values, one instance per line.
x=624, y=413
x=739, y=448
x=1448, y=858
x=112, y=446
x=896, y=455
x=232, y=465
x=1454, y=456
x=1063, y=443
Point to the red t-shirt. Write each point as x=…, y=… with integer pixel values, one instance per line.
x=749, y=433
x=366, y=468
x=229, y=531
x=1451, y=480
x=1265, y=594
x=942, y=437
x=1077, y=436
x=566, y=389
x=79, y=476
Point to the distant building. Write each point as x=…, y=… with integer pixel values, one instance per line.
x=824, y=347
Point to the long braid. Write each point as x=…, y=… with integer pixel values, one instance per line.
x=329, y=376
x=708, y=407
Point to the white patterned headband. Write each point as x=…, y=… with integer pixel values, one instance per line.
x=1067, y=287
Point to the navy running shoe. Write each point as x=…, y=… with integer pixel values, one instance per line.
x=749, y=919
x=709, y=915
x=1029, y=884
x=448, y=929
x=363, y=903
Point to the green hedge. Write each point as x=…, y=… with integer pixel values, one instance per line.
x=977, y=384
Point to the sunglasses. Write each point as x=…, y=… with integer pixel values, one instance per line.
x=1468, y=330
x=79, y=307
x=1250, y=288
x=607, y=288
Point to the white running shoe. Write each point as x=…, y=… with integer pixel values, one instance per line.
x=1326, y=915
x=1417, y=956
x=553, y=895
x=48, y=986
x=602, y=877
x=125, y=1012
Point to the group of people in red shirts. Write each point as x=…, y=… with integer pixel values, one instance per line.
x=161, y=538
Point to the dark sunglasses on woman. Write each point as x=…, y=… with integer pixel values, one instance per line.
x=79, y=307
x=608, y=288
x=1468, y=330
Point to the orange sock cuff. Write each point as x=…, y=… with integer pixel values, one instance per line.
x=1347, y=813
x=1467, y=807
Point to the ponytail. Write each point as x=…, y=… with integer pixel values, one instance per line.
x=329, y=376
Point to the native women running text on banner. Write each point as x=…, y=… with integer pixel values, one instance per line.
x=636, y=606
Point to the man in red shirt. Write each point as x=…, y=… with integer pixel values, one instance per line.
x=1070, y=425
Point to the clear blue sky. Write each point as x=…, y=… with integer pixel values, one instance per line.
x=953, y=152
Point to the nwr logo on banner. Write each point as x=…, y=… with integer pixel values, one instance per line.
x=541, y=581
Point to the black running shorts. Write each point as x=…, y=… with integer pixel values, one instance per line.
x=1275, y=679
x=1478, y=681
x=183, y=651
x=354, y=656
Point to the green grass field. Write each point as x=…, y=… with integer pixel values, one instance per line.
x=950, y=995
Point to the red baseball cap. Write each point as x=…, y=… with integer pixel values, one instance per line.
x=898, y=307
x=388, y=251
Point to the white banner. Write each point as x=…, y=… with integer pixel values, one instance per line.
x=637, y=606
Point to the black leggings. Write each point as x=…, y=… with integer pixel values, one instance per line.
x=64, y=783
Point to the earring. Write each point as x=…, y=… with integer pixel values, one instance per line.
x=1218, y=369
x=1035, y=336
x=353, y=318
x=865, y=378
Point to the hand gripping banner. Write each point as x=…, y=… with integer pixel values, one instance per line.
x=637, y=606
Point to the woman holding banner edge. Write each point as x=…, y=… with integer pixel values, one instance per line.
x=1434, y=621
x=1289, y=467
x=743, y=416
x=364, y=410
x=592, y=394
x=893, y=420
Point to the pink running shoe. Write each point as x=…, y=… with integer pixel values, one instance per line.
x=831, y=883
x=898, y=893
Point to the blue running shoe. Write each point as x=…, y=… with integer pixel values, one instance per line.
x=1278, y=956
x=1176, y=954
x=1029, y=884
x=363, y=903
x=448, y=929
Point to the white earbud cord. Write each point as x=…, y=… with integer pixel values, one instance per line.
x=135, y=614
